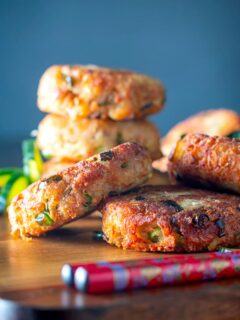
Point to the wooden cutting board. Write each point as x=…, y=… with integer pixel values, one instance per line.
x=31, y=287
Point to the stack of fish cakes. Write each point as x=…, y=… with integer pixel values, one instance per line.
x=93, y=109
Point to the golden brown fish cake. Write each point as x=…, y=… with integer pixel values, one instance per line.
x=218, y=122
x=53, y=166
x=208, y=161
x=77, y=139
x=76, y=191
x=90, y=91
x=172, y=219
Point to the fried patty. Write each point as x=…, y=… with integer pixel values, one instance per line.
x=208, y=161
x=95, y=92
x=79, y=139
x=218, y=122
x=172, y=219
x=76, y=191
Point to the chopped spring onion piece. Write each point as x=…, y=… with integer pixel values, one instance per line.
x=54, y=178
x=124, y=165
x=46, y=156
x=182, y=136
x=88, y=202
x=44, y=218
x=155, y=235
x=68, y=79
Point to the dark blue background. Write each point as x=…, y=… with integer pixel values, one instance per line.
x=192, y=46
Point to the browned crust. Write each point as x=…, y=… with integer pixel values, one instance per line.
x=90, y=91
x=78, y=190
x=79, y=139
x=205, y=221
x=53, y=166
x=210, y=161
x=218, y=122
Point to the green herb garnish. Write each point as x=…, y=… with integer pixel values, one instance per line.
x=68, y=79
x=183, y=135
x=89, y=199
x=46, y=156
x=124, y=165
x=234, y=135
x=155, y=235
x=44, y=218
x=119, y=138
x=54, y=178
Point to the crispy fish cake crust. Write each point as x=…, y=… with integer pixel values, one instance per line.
x=91, y=91
x=219, y=122
x=78, y=190
x=79, y=139
x=53, y=166
x=172, y=219
x=210, y=161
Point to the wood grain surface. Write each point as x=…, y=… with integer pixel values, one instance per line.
x=31, y=287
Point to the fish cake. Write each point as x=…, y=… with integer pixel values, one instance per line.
x=76, y=191
x=216, y=122
x=90, y=91
x=79, y=139
x=209, y=161
x=172, y=219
